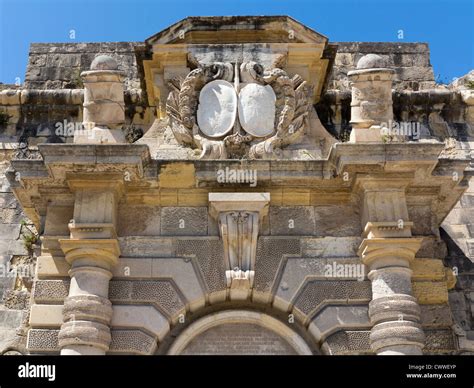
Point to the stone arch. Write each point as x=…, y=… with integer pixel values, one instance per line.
x=246, y=331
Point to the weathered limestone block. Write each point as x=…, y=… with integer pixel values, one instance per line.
x=324, y=247
x=142, y=317
x=162, y=294
x=57, y=220
x=43, y=340
x=348, y=342
x=208, y=254
x=334, y=318
x=184, y=221
x=132, y=342
x=46, y=316
x=10, y=97
x=294, y=220
x=10, y=323
x=139, y=220
x=146, y=246
x=467, y=96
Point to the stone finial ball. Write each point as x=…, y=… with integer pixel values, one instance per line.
x=104, y=62
x=371, y=61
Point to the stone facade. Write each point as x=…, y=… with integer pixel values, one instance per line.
x=160, y=219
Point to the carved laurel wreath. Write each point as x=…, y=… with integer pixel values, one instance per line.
x=292, y=105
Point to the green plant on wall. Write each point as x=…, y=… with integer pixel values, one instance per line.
x=4, y=119
x=76, y=80
x=29, y=235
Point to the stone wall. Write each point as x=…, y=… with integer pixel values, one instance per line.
x=411, y=62
x=59, y=65
x=17, y=264
x=153, y=238
x=458, y=232
x=52, y=115
x=48, y=106
x=53, y=79
x=441, y=113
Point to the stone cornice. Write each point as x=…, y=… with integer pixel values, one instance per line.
x=418, y=166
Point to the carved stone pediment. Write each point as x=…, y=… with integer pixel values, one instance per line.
x=238, y=110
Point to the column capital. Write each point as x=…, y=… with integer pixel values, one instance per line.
x=388, y=252
x=84, y=252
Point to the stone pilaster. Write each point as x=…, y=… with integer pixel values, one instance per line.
x=387, y=250
x=92, y=251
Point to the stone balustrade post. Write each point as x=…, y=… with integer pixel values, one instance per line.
x=371, y=103
x=104, y=107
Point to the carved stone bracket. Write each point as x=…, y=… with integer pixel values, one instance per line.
x=239, y=216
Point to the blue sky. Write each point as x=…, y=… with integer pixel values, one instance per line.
x=447, y=25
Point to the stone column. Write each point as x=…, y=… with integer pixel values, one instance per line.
x=371, y=104
x=387, y=250
x=92, y=251
x=104, y=107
